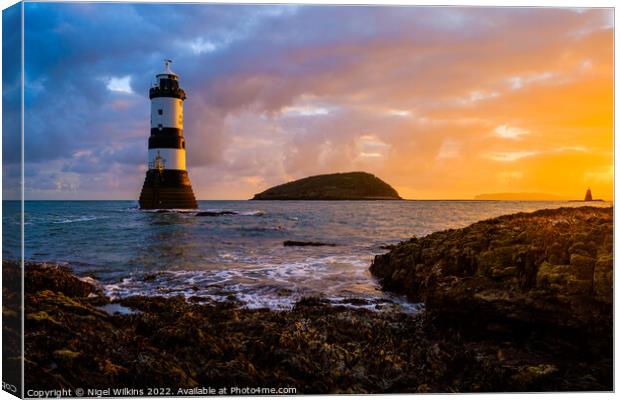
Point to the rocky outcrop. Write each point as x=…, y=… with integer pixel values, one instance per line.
x=302, y=243
x=214, y=213
x=73, y=341
x=516, y=303
x=547, y=272
x=344, y=186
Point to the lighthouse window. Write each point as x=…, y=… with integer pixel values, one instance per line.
x=160, y=112
x=160, y=126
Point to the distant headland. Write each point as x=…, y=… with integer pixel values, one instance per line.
x=339, y=186
x=519, y=196
x=532, y=196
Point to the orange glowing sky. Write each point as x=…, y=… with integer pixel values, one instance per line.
x=442, y=103
x=526, y=109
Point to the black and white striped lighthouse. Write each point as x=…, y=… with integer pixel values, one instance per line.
x=167, y=183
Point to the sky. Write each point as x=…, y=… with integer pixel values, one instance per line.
x=439, y=102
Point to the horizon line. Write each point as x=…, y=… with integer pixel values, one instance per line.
x=259, y=201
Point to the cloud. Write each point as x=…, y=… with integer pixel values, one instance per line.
x=400, y=113
x=598, y=175
x=281, y=92
x=510, y=132
x=306, y=111
x=372, y=146
x=510, y=156
x=121, y=84
x=449, y=149
x=519, y=82
x=508, y=177
x=201, y=45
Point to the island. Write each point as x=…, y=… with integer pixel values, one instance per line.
x=339, y=186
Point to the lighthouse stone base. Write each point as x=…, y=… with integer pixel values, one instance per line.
x=167, y=189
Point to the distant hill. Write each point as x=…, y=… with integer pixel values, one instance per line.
x=340, y=186
x=519, y=196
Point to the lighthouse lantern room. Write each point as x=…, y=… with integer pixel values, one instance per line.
x=167, y=183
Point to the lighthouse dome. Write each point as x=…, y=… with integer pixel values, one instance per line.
x=167, y=84
x=167, y=74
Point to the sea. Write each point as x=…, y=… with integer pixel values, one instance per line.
x=240, y=256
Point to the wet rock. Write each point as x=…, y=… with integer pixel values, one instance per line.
x=150, y=277
x=56, y=278
x=603, y=278
x=161, y=223
x=546, y=273
x=214, y=213
x=302, y=243
x=533, y=373
x=284, y=292
x=516, y=267
x=355, y=302
x=65, y=354
x=487, y=290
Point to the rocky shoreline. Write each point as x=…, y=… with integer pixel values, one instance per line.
x=544, y=279
x=517, y=303
x=546, y=270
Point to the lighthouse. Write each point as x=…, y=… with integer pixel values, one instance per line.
x=167, y=183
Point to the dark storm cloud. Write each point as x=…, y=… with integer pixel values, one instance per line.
x=11, y=83
x=11, y=102
x=278, y=92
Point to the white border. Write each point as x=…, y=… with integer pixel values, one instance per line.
x=523, y=3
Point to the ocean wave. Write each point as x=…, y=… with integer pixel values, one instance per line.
x=252, y=213
x=269, y=296
x=71, y=220
x=340, y=280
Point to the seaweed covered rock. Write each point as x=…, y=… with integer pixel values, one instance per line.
x=516, y=303
x=56, y=278
x=172, y=343
x=315, y=348
x=11, y=326
x=550, y=270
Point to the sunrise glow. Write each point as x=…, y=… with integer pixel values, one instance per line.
x=442, y=103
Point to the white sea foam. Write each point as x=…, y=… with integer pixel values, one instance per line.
x=341, y=280
x=242, y=256
x=84, y=218
x=252, y=213
x=89, y=279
